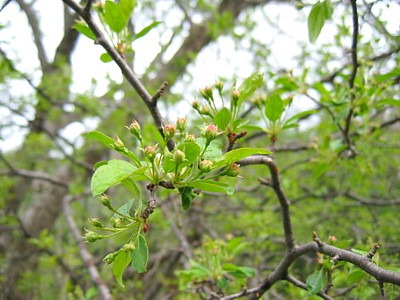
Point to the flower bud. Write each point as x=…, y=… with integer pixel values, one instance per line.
x=235, y=97
x=128, y=247
x=233, y=170
x=116, y=222
x=207, y=93
x=150, y=153
x=190, y=138
x=169, y=131
x=332, y=238
x=181, y=124
x=96, y=222
x=206, y=165
x=105, y=200
x=91, y=236
x=219, y=85
x=119, y=145
x=210, y=132
x=109, y=258
x=134, y=128
x=205, y=110
x=178, y=157
x=196, y=105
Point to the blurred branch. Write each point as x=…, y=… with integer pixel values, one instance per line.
x=303, y=286
x=84, y=253
x=370, y=202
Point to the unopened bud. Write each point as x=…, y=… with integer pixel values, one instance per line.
x=219, y=85
x=205, y=110
x=169, y=131
x=96, y=222
x=233, y=170
x=118, y=144
x=235, y=97
x=190, y=138
x=332, y=238
x=109, y=258
x=196, y=105
x=178, y=156
x=207, y=93
x=134, y=128
x=210, y=132
x=105, y=200
x=150, y=153
x=116, y=222
x=91, y=236
x=206, y=165
x=181, y=124
x=128, y=247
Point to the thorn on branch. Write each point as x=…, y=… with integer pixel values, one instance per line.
x=159, y=93
x=373, y=251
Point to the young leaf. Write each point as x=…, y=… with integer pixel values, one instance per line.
x=191, y=150
x=100, y=137
x=126, y=7
x=238, y=154
x=249, y=86
x=356, y=276
x=105, y=57
x=274, y=107
x=85, y=30
x=187, y=196
x=316, y=20
x=140, y=255
x=114, y=17
x=120, y=263
x=110, y=174
x=211, y=186
x=131, y=187
x=124, y=209
x=146, y=30
x=222, y=118
x=316, y=281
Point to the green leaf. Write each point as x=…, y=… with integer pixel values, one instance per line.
x=211, y=186
x=328, y=8
x=359, y=252
x=238, y=154
x=85, y=30
x=140, y=255
x=274, y=107
x=214, y=150
x=124, y=209
x=191, y=150
x=384, y=77
x=131, y=187
x=114, y=17
x=120, y=263
x=222, y=118
x=106, y=176
x=126, y=7
x=249, y=86
x=316, y=20
x=100, y=137
x=105, y=57
x=388, y=101
x=316, y=281
x=187, y=196
x=238, y=271
x=356, y=276
x=146, y=30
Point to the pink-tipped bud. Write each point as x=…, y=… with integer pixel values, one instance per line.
x=181, y=124
x=210, y=132
x=196, y=104
x=206, y=166
x=190, y=138
x=207, y=93
x=233, y=170
x=205, y=110
x=169, y=131
x=150, y=153
x=219, y=85
x=235, y=97
x=178, y=157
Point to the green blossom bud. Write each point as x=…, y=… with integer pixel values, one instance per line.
x=116, y=222
x=210, y=132
x=105, y=200
x=181, y=124
x=233, y=170
x=206, y=165
x=92, y=236
x=150, y=153
x=109, y=258
x=196, y=105
x=235, y=97
x=169, y=131
x=119, y=145
x=128, y=247
x=219, y=85
x=205, y=110
x=178, y=156
x=190, y=138
x=96, y=222
x=134, y=128
x=207, y=93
